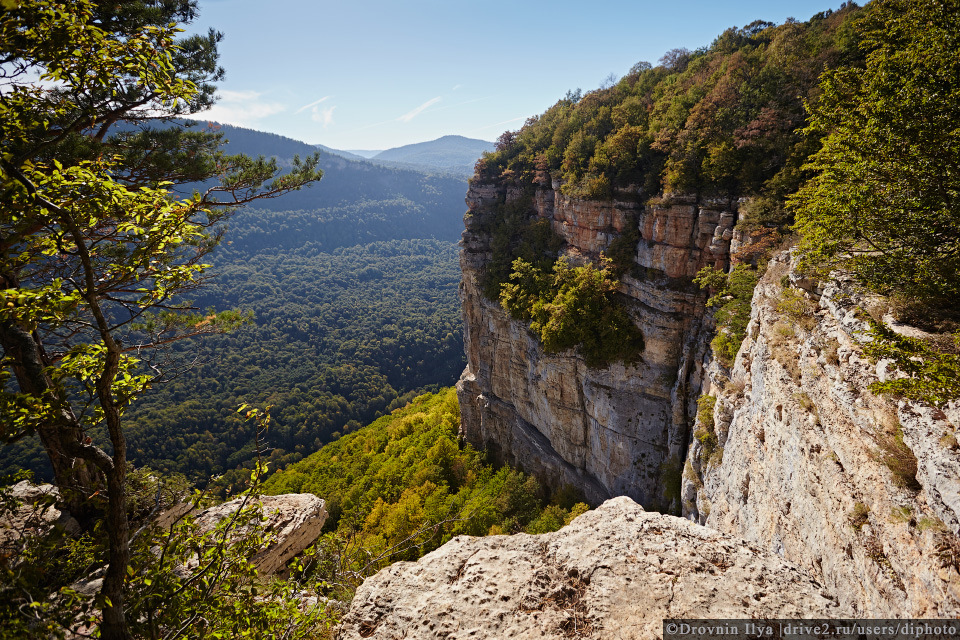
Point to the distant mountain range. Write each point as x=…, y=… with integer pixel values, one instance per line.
x=450, y=154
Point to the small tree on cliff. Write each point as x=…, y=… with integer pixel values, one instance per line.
x=95, y=254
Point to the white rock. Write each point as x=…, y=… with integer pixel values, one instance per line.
x=615, y=572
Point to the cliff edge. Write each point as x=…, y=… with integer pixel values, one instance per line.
x=584, y=581
x=618, y=430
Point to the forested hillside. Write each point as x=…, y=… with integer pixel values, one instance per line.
x=724, y=120
x=351, y=285
x=404, y=485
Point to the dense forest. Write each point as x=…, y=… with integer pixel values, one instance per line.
x=353, y=309
x=723, y=120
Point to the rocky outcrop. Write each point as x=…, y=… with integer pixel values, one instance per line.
x=293, y=521
x=809, y=465
x=621, y=430
x=860, y=491
x=31, y=510
x=587, y=580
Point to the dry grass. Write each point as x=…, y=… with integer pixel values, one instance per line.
x=831, y=350
x=902, y=514
x=858, y=516
x=798, y=308
x=947, y=547
x=894, y=453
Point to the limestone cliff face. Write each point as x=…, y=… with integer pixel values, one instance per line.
x=615, y=431
x=802, y=473
x=803, y=467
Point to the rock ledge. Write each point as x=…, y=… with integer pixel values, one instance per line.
x=614, y=572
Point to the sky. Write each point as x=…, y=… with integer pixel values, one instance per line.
x=377, y=74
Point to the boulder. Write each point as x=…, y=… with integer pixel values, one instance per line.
x=614, y=572
x=295, y=520
x=36, y=514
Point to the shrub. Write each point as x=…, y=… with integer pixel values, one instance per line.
x=898, y=458
x=705, y=433
x=932, y=376
x=572, y=307
x=858, y=516
x=797, y=307
x=732, y=296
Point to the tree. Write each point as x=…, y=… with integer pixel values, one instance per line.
x=884, y=201
x=95, y=253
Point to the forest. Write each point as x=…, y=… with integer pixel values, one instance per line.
x=405, y=484
x=353, y=310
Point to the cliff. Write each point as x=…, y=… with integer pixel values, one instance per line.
x=583, y=581
x=619, y=430
x=811, y=466
x=860, y=491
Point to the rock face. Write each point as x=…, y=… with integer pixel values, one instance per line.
x=36, y=515
x=294, y=519
x=811, y=466
x=614, y=431
x=614, y=572
x=802, y=471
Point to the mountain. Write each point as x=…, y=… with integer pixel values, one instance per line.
x=352, y=285
x=364, y=153
x=349, y=155
x=450, y=153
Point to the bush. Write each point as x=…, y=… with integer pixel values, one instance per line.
x=898, y=458
x=732, y=296
x=858, y=516
x=932, y=376
x=573, y=307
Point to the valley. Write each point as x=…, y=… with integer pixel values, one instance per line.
x=681, y=347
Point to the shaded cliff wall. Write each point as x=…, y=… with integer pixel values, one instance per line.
x=620, y=430
x=801, y=470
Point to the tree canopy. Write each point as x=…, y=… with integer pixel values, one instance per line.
x=884, y=201
x=884, y=198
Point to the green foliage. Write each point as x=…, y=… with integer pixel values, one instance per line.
x=573, y=307
x=93, y=243
x=932, y=376
x=514, y=233
x=705, y=405
x=339, y=338
x=187, y=582
x=732, y=296
x=405, y=484
x=884, y=198
x=706, y=434
x=622, y=252
x=718, y=121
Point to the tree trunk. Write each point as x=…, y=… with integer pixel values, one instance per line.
x=114, y=626
x=76, y=478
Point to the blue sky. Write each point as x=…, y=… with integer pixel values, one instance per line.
x=375, y=74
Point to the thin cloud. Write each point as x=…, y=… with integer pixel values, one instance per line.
x=323, y=116
x=238, y=96
x=498, y=124
x=241, y=108
x=312, y=104
x=407, y=117
x=456, y=87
